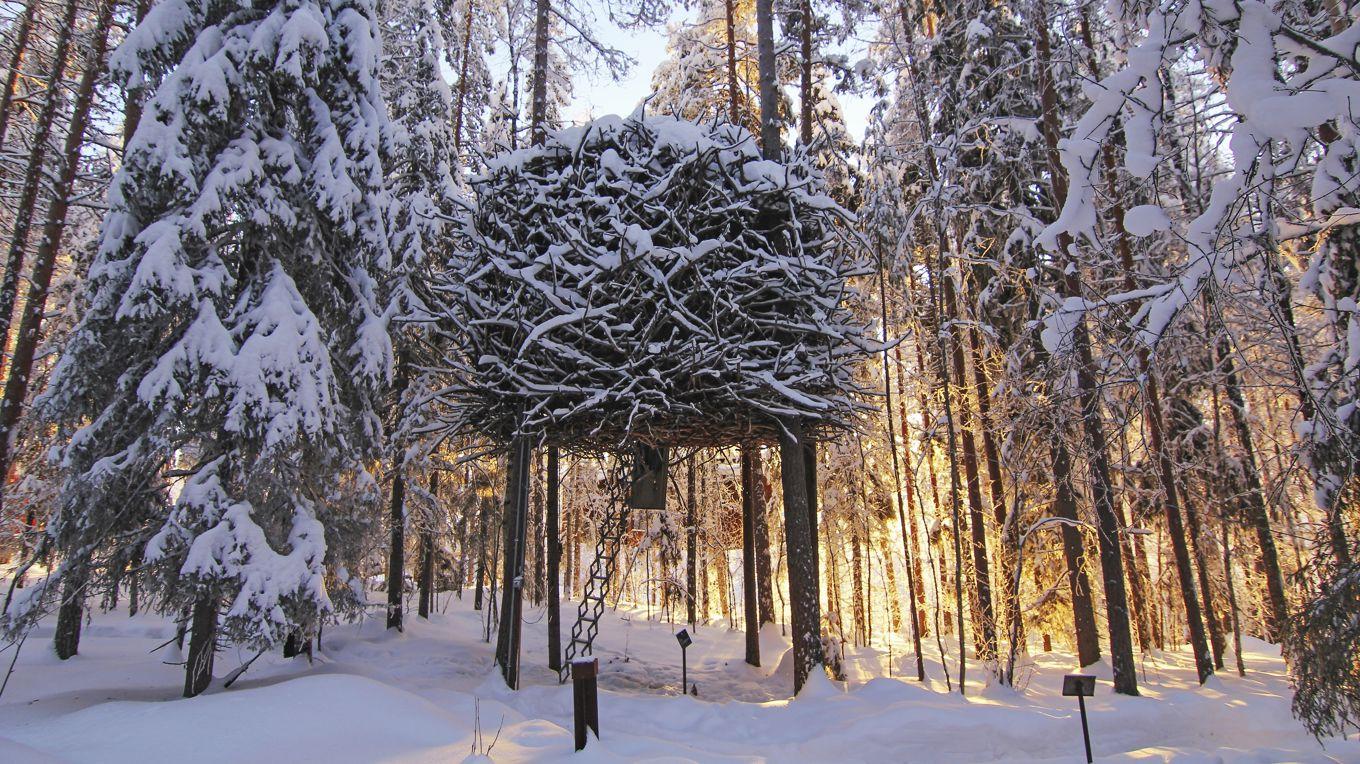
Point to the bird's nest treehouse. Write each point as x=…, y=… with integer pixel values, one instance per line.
x=638, y=285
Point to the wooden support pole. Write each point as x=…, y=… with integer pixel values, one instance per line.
x=801, y=539
x=554, y=562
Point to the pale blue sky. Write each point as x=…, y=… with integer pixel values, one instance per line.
x=597, y=96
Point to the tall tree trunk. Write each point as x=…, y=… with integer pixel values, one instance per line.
x=941, y=369
x=984, y=619
x=813, y=496
x=515, y=525
x=1008, y=532
x=538, y=532
x=428, y=554
x=484, y=509
x=554, y=562
x=16, y=60
x=198, y=669
x=460, y=95
x=805, y=72
x=857, y=583
x=132, y=102
x=1277, y=606
x=691, y=543
x=1152, y=413
x=396, y=553
x=750, y=599
x=66, y=640
x=1111, y=563
x=1232, y=599
x=890, y=573
x=908, y=557
x=800, y=537
x=396, y=517
x=538, y=115
x=34, y=174
x=1176, y=530
x=769, y=87
x=909, y=473
x=764, y=571
x=35, y=305
x=1216, y=641
x=465, y=508
x=730, y=30
x=1074, y=551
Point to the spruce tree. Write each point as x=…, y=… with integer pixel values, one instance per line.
x=220, y=389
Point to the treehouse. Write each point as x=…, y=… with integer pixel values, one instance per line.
x=641, y=286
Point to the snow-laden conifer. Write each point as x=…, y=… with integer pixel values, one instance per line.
x=225, y=370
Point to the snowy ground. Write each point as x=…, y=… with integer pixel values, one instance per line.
x=419, y=696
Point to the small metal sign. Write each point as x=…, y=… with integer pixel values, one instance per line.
x=1083, y=686
x=682, y=636
x=1079, y=685
x=648, y=487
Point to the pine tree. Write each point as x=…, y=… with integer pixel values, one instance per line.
x=710, y=69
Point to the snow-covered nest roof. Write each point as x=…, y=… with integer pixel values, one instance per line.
x=651, y=280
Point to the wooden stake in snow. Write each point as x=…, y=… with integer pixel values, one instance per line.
x=584, y=698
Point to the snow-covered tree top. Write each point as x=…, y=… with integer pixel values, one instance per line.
x=651, y=279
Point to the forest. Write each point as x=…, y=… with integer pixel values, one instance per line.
x=976, y=339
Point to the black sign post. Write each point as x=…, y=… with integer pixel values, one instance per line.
x=682, y=636
x=585, y=701
x=1083, y=686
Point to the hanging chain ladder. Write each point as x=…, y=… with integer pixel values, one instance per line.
x=587, y=625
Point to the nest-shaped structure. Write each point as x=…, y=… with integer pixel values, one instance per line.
x=651, y=281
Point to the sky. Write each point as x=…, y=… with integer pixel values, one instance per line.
x=597, y=95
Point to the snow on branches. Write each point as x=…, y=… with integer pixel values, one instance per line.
x=656, y=280
x=220, y=389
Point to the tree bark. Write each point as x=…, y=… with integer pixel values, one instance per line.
x=427, y=556
x=1074, y=552
x=751, y=601
x=1008, y=532
x=512, y=578
x=908, y=557
x=483, y=509
x=35, y=305
x=1217, y=644
x=1277, y=606
x=1232, y=599
x=691, y=543
x=909, y=474
x=730, y=28
x=554, y=562
x=764, y=571
x=984, y=618
x=198, y=669
x=460, y=95
x=66, y=640
x=538, y=531
x=770, y=145
x=34, y=175
x=396, y=553
x=805, y=72
x=800, y=538
x=538, y=115
x=16, y=60
x=1111, y=563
